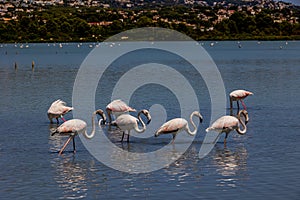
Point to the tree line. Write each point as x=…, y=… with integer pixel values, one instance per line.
x=60, y=24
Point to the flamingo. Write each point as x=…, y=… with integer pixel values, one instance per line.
x=75, y=126
x=57, y=110
x=128, y=122
x=228, y=123
x=117, y=107
x=174, y=126
x=238, y=95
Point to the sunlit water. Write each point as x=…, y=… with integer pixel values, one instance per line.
x=264, y=163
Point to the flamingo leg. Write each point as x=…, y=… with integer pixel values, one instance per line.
x=109, y=115
x=225, y=139
x=238, y=105
x=74, y=148
x=244, y=105
x=123, y=136
x=128, y=137
x=231, y=106
x=66, y=144
x=57, y=120
x=63, y=118
x=217, y=138
x=173, y=139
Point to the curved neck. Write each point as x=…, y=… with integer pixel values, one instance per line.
x=192, y=133
x=92, y=134
x=242, y=132
x=143, y=124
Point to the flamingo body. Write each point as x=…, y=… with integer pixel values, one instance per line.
x=57, y=110
x=224, y=124
x=174, y=126
x=228, y=123
x=118, y=107
x=74, y=127
x=239, y=95
x=126, y=122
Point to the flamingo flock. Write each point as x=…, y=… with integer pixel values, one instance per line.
x=127, y=122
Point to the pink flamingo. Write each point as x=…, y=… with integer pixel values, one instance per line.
x=238, y=95
x=128, y=122
x=117, y=107
x=57, y=110
x=174, y=126
x=75, y=126
x=228, y=123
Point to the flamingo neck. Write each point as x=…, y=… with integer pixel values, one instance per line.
x=242, y=132
x=143, y=124
x=92, y=134
x=192, y=133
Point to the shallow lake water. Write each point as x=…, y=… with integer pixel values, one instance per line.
x=261, y=164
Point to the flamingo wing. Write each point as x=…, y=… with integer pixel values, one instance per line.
x=240, y=94
x=224, y=123
x=119, y=106
x=126, y=121
x=71, y=126
x=59, y=107
x=173, y=125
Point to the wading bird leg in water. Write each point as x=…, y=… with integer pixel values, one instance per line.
x=66, y=144
x=128, y=136
x=122, y=136
x=174, y=136
x=244, y=105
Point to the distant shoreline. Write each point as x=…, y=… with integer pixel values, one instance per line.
x=90, y=42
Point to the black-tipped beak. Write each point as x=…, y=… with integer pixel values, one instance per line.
x=246, y=122
x=201, y=119
x=148, y=122
x=155, y=135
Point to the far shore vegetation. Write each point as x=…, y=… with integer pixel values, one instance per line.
x=91, y=24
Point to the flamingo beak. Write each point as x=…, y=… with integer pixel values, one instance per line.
x=63, y=118
x=148, y=122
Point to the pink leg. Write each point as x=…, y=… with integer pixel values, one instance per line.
x=63, y=119
x=66, y=144
x=244, y=105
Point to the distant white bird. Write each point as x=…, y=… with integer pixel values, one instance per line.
x=228, y=123
x=117, y=107
x=126, y=122
x=74, y=127
x=57, y=110
x=174, y=126
x=239, y=95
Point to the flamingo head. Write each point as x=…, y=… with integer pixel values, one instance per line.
x=250, y=93
x=147, y=114
x=245, y=114
x=197, y=113
x=102, y=115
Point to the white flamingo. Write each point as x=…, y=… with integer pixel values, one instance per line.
x=57, y=110
x=228, y=123
x=117, y=107
x=74, y=127
x=239, y=95
x=174, y=126
x=126, y=122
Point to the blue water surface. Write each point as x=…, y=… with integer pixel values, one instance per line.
x=263, y=164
